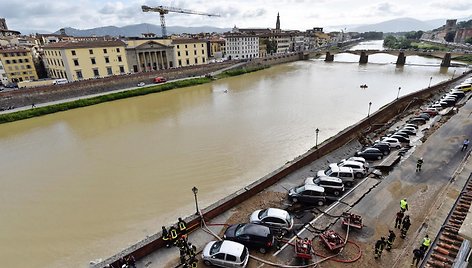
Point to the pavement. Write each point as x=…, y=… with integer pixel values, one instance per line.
x=430, y=193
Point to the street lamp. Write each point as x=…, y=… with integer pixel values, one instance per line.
x=431, y=78
x=368, y=113
x=398, y=94
x=316, y=143
x=195, y=191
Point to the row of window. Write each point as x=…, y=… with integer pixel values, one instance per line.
x=194, y=45
x=93, y=61
x=20, y=79
x=243, y=38
x=74, y=53
x=187, y=61
x=96, y=72
x=20, y=73
x=105, y=51
x=194, y=52
x=13, y=54
x=242, y=43
x=22, y=67
x=16, y=61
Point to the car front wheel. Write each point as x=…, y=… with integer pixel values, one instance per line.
x=398, y=147
x=336, y=193
x=207, y=263
x=263, y=250
x=294, y=200
x=320, y=203
x=359, y=175
x=379, y=157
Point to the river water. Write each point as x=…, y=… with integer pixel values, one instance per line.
x=84, y=184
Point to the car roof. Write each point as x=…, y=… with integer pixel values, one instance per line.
x=335, y=168
x=313, y=187
x=332, y=179
x=389, y=138
x=231, y=247
x=255, y=229
x=350, y=162
x=277, y=212
x=357, y=158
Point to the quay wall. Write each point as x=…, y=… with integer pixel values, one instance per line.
x=368, y=125
x=44, y=94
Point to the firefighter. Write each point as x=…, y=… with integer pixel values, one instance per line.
x=165, y=236
x=182, y=226
x=418, y=255
x=173, y=234
x=403, y=205
x=379, y=246
x=390, y=239
x=426, y=243
x=406, y=223
x=419, y=163
x=398, y=219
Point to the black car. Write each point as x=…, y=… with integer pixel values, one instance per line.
x=400, y=138
x=383, y=147
x=308, y=194
x=424, y=115
x=251, y=235
x=370, y=154
x=450, y=101
x=417, y=120
x=408, y=132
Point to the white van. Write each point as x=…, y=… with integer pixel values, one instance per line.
x=346, y=174
x=61, y=81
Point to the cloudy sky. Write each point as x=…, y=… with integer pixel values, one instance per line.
x=49, y=15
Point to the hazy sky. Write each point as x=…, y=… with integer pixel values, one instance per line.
x=48, y=15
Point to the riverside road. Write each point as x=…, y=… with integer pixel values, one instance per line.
x=430, y=194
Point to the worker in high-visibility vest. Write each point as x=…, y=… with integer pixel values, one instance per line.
x=182, y=226
x=403, y=205
x=173, y=234
x=165, y=236
x=426, y=243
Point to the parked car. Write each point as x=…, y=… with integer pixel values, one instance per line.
x=159, y=79
x=278, y=220
x=457, y=92
x=359, y=159
x=253, y=236
x=346, y=174
x=359, y=169
x=141, y=84
x=332, y=185
x=400, y=138
x=383, y=147
x=415, y=126
x=225, y=253
x=309, y=194
x=370, y=153
x=424, y=115
x=392, y=142
x=431, y=111
x=418, y=120
x=464, y=87
x=468, y=81
x=409, y=131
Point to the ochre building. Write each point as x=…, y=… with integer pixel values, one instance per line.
x=18, y=65
x=84, y=60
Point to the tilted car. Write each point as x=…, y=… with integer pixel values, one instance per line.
x=253, y=236
x=359, y=169
x=225, y=253
x=383, y=147
x=331, y=185
x=392, y=142
x=308, y=194
x=346, y=174
x=401, y=138
x=370, y=154
x=278, y=220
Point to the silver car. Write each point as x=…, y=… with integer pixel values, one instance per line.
x=278, y=220
x=225, y=253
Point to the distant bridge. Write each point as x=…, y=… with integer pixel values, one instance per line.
x=401, y=55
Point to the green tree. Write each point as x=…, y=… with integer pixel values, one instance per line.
x=468, y=40
x=390, y=41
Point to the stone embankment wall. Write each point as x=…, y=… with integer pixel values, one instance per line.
x=370, y=124
x=25, y=97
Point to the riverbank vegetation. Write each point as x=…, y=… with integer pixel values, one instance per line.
x=20, y=115
x=241, y=71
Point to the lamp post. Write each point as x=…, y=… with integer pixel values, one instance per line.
x=431, y=78
x=316, y=142
x=195, y=191
x=368, y=112
x=398, y=94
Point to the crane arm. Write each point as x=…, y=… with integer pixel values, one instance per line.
x=166, y=10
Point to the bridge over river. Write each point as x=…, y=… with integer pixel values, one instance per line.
x=401, y=55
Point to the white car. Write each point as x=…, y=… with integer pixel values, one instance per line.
x=468, y=81
x=359, y=169
x=276, y=219
x=392, y=142
x=359, y=159
x=141, y=84
x=225, y=253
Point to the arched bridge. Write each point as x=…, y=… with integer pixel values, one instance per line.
x=401, y=55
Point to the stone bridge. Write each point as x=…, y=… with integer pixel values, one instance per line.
x=401, y=55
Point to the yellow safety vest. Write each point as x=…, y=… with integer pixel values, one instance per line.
x=173, y=233
x=426, y=242
x=403, y=204
x=182, y=226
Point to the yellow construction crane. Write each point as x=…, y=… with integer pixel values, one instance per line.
x=162, y=10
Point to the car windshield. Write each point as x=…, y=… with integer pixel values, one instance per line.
x=215, y=248
x=328, y=171
x=300, y=189
x=262, y=214
x=240, y=229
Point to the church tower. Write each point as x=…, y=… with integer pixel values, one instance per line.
x=277, y=24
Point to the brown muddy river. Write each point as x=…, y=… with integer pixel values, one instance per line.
x=83, y=184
